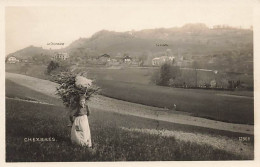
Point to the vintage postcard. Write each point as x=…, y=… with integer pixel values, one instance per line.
x=131, y=81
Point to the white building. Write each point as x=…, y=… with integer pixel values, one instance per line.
x=12, y=60
x=60, y=56
x=127, y=59
x=157, y=61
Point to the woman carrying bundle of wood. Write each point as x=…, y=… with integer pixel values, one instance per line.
x=80, y=131
x=74, y=91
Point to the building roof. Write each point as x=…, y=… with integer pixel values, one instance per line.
x=61, y=53
x=162, y=57
x=156, y=58
x=127, y=57
x=104, y=55
x=11, y=57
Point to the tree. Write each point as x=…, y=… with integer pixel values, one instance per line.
x=165, y=74
x=52, y=66
x=41, y=59
x=143, y=58
x=168, y=72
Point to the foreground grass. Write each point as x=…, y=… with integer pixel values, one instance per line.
x=28, y=120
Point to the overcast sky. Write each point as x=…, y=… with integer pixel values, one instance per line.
x=40, y=25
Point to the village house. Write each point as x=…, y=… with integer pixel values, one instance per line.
x=127, y=59
x=104, y=58
x=157, y=61
x=113, y=62
x=12, y=60
x=24, y=60
x=135, y=62
x=60, y=56
x=118, y=58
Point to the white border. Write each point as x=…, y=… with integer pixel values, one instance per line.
x=5, y=3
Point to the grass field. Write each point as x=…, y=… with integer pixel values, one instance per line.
x=30, y=120
x=143, y=75
x=133, y=85
x=26, y=120
x=131, y=75
x=14, y=90
x=200, y=103
x=37, y=71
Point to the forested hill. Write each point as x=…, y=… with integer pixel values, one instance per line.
x=191, y=40
x=195, y=39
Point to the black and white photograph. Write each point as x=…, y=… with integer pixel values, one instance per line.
x=124, y=81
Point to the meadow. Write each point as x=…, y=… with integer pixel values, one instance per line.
x=111, y=143
x=33, y=70
x=201, y=103
x=134, y=85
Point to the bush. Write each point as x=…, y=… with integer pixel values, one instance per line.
x=168, y=72
x=52, y=66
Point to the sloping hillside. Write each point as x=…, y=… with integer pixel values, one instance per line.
x=220, y=48
x=192, y=39
x=30, y=52
x=196, y=39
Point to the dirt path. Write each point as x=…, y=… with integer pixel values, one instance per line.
x=127, y=108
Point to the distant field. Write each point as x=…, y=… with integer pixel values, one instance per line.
x=139, y=75
x=131, y=75
x=37, y=71
x=218, y=105
x=142, y=75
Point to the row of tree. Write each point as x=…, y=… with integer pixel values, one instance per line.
x=172, y=75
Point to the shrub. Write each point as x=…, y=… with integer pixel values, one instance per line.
x=52, y=66
x=168, y=72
